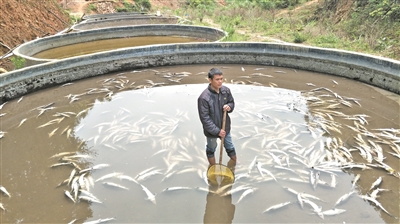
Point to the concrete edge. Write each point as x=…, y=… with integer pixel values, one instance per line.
x=109, y=15
x=372, y=70
x=130, y=21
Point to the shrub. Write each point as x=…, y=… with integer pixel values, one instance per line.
x=18, y=62
x=299, y=38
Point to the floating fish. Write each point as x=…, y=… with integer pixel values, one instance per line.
x=89, y=199
x=2, y=206
x=150, y=196
x=115, y=185
x=275, y=207
x=22, y=121
x=344, y=198
x=99, y=221
x=69, y=195
x=334, y=211
x=115, y=174
x=176, y=188
x=4, y=190
x=246, y=192
x=376, y=183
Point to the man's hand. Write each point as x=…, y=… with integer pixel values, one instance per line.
x=226, y=107
x=222, y=133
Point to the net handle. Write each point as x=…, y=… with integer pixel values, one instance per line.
x=222, y=139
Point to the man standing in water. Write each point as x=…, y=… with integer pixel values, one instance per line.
x=212, y=103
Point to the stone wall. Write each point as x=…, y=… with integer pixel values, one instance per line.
x=372, y=70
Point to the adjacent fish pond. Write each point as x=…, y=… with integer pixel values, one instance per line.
x=129, y=147
x=110, y=44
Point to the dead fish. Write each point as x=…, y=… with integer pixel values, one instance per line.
x=71, y=176
x=176, y=188
x=334, y=211
x=146, y=175
x=335, y=82
x=221, y=190
x=291, y=190
x=52, y=132
x=252, y=164
x=258, y=164
x=376, y=183
x=126, y=177
x=2, y=206
x=144, y=171
x=22, y=121
x=356, y=178
x=374, y=194
x=69, y=195
x=115, y=185
x=317, y=209
x=89, y=199
x=62, y=154
x=78, y=156
x=4, y=190
x=99, y=221
x=333, y=181
x=274, y=207
x=263, y=170
x=150, y=196
x=246, y=192
x=2, y=134
x=87, y=193
x=300, y=199
x=62, y=164
x=67, y=84
x=376, y=203
x=20, y=99
x=73, y=221
x=344, y=198
x=237, y=189
x=115, y=174
x=2, y=105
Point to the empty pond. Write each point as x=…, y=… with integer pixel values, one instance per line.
x=129, y=147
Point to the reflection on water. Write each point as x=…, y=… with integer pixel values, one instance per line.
x=137, y=151
x=219, y=206
x=110, y=44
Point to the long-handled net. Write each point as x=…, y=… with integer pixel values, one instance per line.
x=219, y=174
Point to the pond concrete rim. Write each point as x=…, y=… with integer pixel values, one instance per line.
x=124, y=21
x=373, y=70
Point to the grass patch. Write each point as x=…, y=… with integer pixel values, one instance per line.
x=18, y=62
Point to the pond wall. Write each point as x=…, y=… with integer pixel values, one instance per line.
x=372, y=70
x=112, y=15
x=123, y=21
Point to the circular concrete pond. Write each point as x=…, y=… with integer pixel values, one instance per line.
x=115, y=34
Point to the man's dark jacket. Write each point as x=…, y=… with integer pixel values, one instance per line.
x=210, y=105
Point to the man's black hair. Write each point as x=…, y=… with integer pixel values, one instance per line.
x=214, y=71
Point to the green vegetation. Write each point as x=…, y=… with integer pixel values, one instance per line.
x=91, y=7
x=18, y=62
x=369, y=26
x=137, y=6
x=74, y=19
